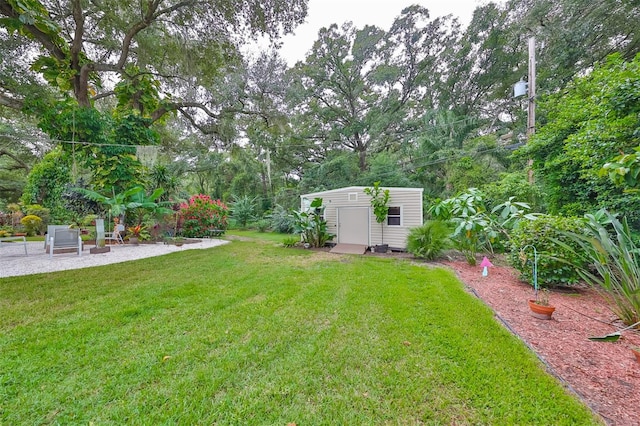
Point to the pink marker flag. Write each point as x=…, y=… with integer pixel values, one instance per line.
x=485, y=266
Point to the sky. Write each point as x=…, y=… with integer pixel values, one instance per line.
x=381, y=13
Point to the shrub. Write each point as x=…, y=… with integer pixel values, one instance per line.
x=281, y=220
x=555, y=261
x=262, y=225
x=38, y=210
x=291, y=241
x=31, y=223
x=429, y=240
x=474, y=227
x=202, y=214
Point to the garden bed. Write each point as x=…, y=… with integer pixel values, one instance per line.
x=605, y=375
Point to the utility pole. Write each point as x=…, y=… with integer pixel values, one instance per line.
x=269, y=168
x=531, y=94
x=531, y=112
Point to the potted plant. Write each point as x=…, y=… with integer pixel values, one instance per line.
x=540, y=307
x=137, y=233
x=379, y=202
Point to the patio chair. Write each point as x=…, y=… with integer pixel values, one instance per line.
x=49, y=234
x=116, y=235
x=65, y=239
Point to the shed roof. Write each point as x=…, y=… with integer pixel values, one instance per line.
x=358, y=188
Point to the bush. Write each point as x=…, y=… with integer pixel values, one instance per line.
x=474, y=227
x=291, y=241
x=41, y=212
x=202, y=214
x=262, y=225
x=281, y=220
x=32, y=224
x=555, y=261
x=429, y=240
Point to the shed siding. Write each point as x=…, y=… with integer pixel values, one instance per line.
x=408, y=199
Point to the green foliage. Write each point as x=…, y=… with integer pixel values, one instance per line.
x=511, y=213
x=37, y=210
x=311, y=225
x=32, y=224
x=262, y=225
x=429, y=240
x=336, y=171
x=346, y=81
x=161, y=176
x=607, y=257
x=281, y=220
x=594, y=117
x=555, y=261
x=473, y=226
x=78, y=205
x=201, y=215
x=243, y=210
x=47, y=182
x=380, y=204
x=517, y=185
x=110, y=152
x=476, y=229
x=140, y=205
x=116, y=204
x=138, y=92
x=386, y=169
x=379, y=201
x=290, y=241
x=471, y=169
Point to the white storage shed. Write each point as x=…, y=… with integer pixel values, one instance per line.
x=350, y=217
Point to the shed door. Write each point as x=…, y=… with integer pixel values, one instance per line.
x=353, y=225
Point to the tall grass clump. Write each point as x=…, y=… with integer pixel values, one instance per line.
x=429, y=240
x=610, y=260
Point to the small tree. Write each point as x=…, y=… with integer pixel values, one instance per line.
x=379, y=202
x=243, y=209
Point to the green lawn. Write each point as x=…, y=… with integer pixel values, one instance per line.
x=265, y=236
x=251, y=333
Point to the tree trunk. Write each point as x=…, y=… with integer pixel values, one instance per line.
x=362, y=160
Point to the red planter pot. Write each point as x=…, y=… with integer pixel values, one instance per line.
x=540, y=311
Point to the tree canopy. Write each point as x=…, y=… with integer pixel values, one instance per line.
x=425, y=102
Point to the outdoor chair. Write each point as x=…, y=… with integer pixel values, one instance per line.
x=65, y=239
x=116, y=235
x=49, y=234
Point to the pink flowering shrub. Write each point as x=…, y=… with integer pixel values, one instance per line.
x=202, y=214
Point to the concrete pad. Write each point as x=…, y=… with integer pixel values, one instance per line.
x=349, y=249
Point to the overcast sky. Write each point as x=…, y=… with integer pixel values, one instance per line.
x=381, y=13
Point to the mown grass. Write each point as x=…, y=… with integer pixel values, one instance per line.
x=251, y=333
x=263, y=236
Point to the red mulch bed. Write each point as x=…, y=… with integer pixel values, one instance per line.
x=605, y=375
